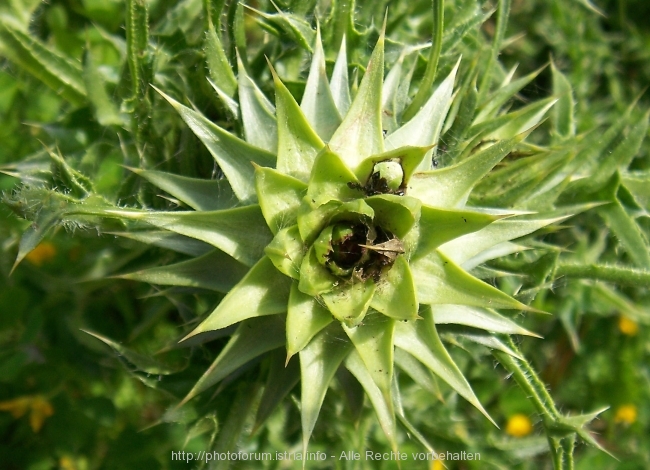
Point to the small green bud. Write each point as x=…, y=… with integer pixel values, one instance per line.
x=391, y=172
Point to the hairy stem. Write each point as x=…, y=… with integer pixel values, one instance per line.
x=601, y=272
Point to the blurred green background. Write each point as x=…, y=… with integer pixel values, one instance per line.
x=68, y=402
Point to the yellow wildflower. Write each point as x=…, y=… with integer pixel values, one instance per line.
x=66, y=463
x=627, y=326
x=44, y=252
x=39, y=407
x=519, y=425
x=437, y=465
x=626, y=414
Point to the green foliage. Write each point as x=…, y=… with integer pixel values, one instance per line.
x=193, y=270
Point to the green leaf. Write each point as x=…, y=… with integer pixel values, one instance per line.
x=263, y=291
x=286, y=251
x=421, y=340
x=314, y=277
x=450, y=186
x=390, y=94
x=233, y=155
x=292, y=25
x=465, y=249
x=418, y=372
x=628, y=232
x=424, y=129
x=360, y=134
x=373, y=341
x=281, y=380
x=340, y=86
x=34, y=234
x=279, y=196
x=484, y=319
x=318, y=363
x=349, y=302
x=395, y=296
x=197, y=272
x=298, y=143
x=513, y=124
x=493, y=103
x=199, y=194
x=312, y=221
x=240, y=232
x=329, y=180
x=397, y=214
x=106, y=111
x=438, y=226
x=382, y=406
x=305, y=318
x=220, y=69
x=491, y=342
x=317, y=101
x=257, y=113
x=638, y=184
x=432, y=65
x=144, y=363
x=169, y=240
x=408, y=157
x=56, y=71
x=440, y=281
x=252, y=338
x=239, y=411
x=562, y=116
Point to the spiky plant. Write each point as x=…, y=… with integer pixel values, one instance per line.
x=344, y=230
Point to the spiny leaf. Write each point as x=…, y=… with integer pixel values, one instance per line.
x=450, y=187
x=382, y=406
x=298, y=143
x=280, y=197
x=169, y=240
x=562, y=116
x=232, y=154
x=628, y=233
x=329, y=179
x=144, y=363
x=318, y=363
x=421, y=340
x=373, y=341
x=220, y=69
x=493, y=102
x=287, y=251
x=360, y=134
x=464, y=248
x=317, y=101
x=58, y=72
x=252, y=338
x=296, y=27
x=438, y=226
x=397, y=214
x=424, y=129
x=199, y=194
x=106, y=111
x=197, y=272
x=340, y=86
x=440, y=281
x=349, y=302
x=395, y=296
x=484, y=319
x=263, y=291
x=281, y=380
x=305, y=318
x=240, y=232
x=257, y=113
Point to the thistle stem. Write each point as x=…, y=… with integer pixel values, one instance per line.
x=529, y=381
x=600, y=272
x=426, y=87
